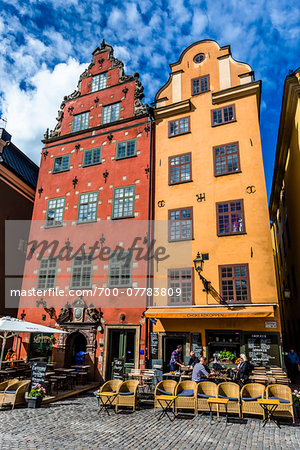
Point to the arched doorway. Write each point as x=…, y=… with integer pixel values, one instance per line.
x=76, y=342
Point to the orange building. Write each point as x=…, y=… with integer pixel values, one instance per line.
x=210, y=197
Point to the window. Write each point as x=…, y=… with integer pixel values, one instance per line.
x=200, y=85
x=87, y=207
x=179, y=126
x=226, y=159
x=61, y=164
x=123, y=202
x=99, y=82
x=230, y=218
x=222, y=115
x=81, y=121
x=234, y=282
x=180, y=279
x=82, y=270
x=111, y=113
x=199, y=58
x=92, y=156
x=180, y=224
x=47, y=273
x=120, y=269
x=126, y=149
x=180, y=168
x=55, y=212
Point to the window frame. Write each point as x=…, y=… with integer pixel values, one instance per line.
x=92, y=150
x=81, y=114
x=233, y=278
x=179, y=133
x=112, y=264
x=110, y=105
x=113, y=202
x=229, y=213
x=56, y=225
x=192, y=284
x=78, y=207
x=64, y=170
x=200, y=78
x=98, y=75
x=169, y=224
x=72, y=287
x=222, y=109
x=39, y=273
x=216, y=157
x=123, y=142
x=169, y=167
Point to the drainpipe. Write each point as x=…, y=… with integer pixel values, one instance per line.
x=150, y=117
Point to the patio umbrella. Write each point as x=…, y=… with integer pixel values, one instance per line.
x=10, y=327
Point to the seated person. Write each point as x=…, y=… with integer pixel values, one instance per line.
x=193, y=359
x=199, y=372
x=175, y=361
x=244, y=368
x=11, y=356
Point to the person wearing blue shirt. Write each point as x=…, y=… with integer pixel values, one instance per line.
x=292, y=362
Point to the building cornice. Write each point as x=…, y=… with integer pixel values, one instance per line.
x=237, y=92
x=173, y=109
x=290, y=98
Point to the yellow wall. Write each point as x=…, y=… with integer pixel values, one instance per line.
x=225, y=249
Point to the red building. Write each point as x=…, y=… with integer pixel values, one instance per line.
x=93, y=201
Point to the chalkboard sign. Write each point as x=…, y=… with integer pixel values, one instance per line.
x=197, y=344
x=154, y=345
x=38, y=372
x=118, y=369
x=263, y=349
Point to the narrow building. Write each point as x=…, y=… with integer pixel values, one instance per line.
x=93, y=201
x=218, y=287
x=285, y=212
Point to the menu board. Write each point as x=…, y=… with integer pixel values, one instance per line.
x=118, y=369
x=154, y=345
x=38, y=372
x=263, y=349
x=196, y=344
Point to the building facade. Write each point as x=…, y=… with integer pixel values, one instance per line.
x=285, y=211
x=18, y=178
x=93, y=200
x=210, y=195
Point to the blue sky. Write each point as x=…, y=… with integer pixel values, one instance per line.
x=45, y=45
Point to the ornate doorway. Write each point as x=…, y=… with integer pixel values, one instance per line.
x=75, y=343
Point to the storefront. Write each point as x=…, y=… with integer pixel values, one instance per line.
x=40, y=346
x=210, y=333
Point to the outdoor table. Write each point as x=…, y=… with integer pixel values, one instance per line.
x=269, y=407
x=172, y=376
x=105, y=403
x=167, y=403
x=217, y=401
x=49, y=374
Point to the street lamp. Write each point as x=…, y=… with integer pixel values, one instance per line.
x=198, y=264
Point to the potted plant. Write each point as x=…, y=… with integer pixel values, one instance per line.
x=36, y=396
x=226, y=356
x=296, y=402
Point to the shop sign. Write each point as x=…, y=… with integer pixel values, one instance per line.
x=270, y=324
x=263, y=348
x=38, y=372
x=154, y=345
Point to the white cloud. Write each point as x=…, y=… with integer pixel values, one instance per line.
x=30, y=113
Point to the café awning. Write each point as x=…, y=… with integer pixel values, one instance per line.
x=207, y=312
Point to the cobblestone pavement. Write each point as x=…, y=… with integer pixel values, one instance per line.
x=75, y=424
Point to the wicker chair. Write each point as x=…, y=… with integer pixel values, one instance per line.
x=205, y=390
x=14, y=394
x=110, y=386
x=284, y=394
x=127, y=394
x=4, y=385
x=166, y=386
x=232, y=392
x=250, y=393
x=186, y=392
